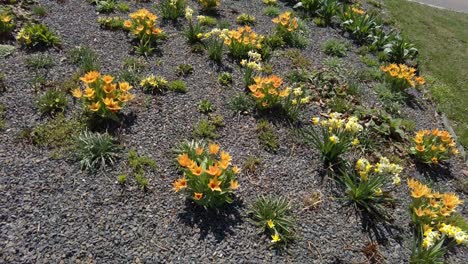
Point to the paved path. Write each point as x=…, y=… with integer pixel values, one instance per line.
x=457, y=5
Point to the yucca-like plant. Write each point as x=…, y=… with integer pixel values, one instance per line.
x=272, y=215
x=96, y=150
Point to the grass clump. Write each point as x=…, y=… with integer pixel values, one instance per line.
x=334, y=47
x=205, y=129
x=225, y=78
x=177, y=86
x=241, y=103
x=245, y=19
x=205, y=106
x=272, y=215
x=85, y=58
x=267, y=136
x=39, y=61
x=184, y=69
x=271, y=11
x=52, y=101
x=55, y=133
x=39, y=10
x=138, y=167
x=96, y=150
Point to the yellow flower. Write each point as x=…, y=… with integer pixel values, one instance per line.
x=214, y=171
x=196, y=170
x=77, y=93
x=275, y=238
x=125, y=86
x=90, y=77
x=378, y=192
x=107, y=79
x=88, y=93
x=127, y=23
x=270, y=223
x=108, y=88
x=213, y=148
x=6, y=19
x=126, y=97
x=111, y=104
x=355, y=142
x=315, y=120
x=197, y=196
x=234, y=185
x=225, y=156
x=334, y=139
x=184, y=160
x=236, y=170
x=94, y=107
x=199, y=151
x=180, y=184
x=214, y=185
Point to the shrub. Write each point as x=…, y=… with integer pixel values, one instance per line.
x=85, y=58
x=111, y=23
x=52, y=101
x=358, y=23
x=241, y=103
x=177, y=86
x=310, y=6
x=142, y=25
x=239, y=42
x=56, y=133
x=172, y=9
x=287, y=29
x=399, y=50
x=437, y=226
x=335, y=47
x=7, y=21
x=434, y=146
x=153, y=84
x=379, y=39
x=207, y=20
x=123, y=7
x=401, y=77
x=102, y=96
x=336, y=135
x=225, y=78
x=271, y=11
x=209, y=179
x=37, y=35
x=39, y=10
x=204, y=129
x=328, y=10
x=205, y=106
x=209, y=5
x=39, y=61
x=368, y=187
x=184, y=69
x=267, y=136
x=95, y=150
x=272, y=215
x=245, y=19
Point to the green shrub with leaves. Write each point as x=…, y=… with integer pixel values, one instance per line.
x=111, y=23
x=335, y=47
x=272, y=215
x=37, y=35
x=208, y=179
x=368, y=188
x=205, y=106
x=177, y=86
x=204, y=129
x=358, y=23
x=172, y=9
x=334, y=137
x=52, y=101
x=400, y=50
x=328, y=10
x=96, y=150
x=225, y=78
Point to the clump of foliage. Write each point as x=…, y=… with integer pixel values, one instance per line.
x=436, y=224
x=96, y=150
x=111, y=23
x=205, y=106
x=184, y=69
x=225, y=78
x=177, y=86
x=242, y=40
x=335, y=47
x=139, y=165
x=205, y=129
x=288, y=30
x=401, y=77
x=142, y=25
x=400, y=50
x=209, y=5
x=52, y=101
x=267, y=136
x=85, y=58
x=172, y=9
x=241, y=103
x=55, y=133
x=334, y=137
x=434, y=146
x=37, y=35
x=39, y=61
x=358, y=23
x=272, y=215
x=152, y=84
x=368, y=188
x=245, y=19
x=208, y=179
x=7, y=21
x=103, y=97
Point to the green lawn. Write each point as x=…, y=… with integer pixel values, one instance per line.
x=442, y=39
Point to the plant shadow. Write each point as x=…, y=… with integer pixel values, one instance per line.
x=98, y=124
x=378, y=229
x=218, y=222
x=437, y=173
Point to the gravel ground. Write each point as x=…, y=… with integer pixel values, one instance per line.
x=51, y=212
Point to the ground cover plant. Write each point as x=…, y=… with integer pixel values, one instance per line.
x=223, y=131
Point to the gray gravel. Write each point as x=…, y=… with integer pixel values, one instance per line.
x=51, y=212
